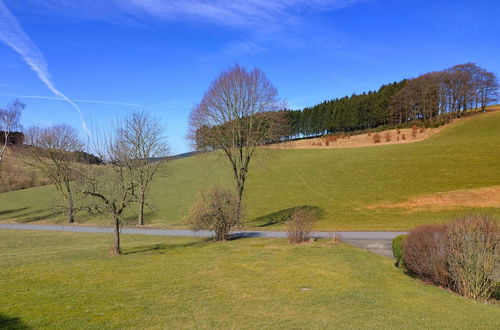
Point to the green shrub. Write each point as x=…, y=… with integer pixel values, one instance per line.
x=397, y=250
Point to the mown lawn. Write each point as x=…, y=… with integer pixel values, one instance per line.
x=67, y=280
x=343, y=184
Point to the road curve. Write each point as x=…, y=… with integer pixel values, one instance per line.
x=344, y=235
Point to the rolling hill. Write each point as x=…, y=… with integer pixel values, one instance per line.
x=396, y=186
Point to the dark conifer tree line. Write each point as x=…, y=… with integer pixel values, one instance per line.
x=431, y=98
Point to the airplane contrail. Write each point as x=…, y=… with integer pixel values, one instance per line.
x=57, y=98
x=13, y=35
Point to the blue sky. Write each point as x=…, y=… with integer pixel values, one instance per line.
x=106, y=58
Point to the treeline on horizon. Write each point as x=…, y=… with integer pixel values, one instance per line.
x=433, y=99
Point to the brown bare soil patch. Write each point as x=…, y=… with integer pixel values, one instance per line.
x=481, y=197
x=361, y=140
x=394, y=136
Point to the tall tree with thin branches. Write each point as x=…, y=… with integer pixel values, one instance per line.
x=111, y=186
x=145, y=140
x=236, y=115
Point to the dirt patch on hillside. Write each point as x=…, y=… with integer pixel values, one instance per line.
x=404, y=135
x=481, y=197
x=394, y=136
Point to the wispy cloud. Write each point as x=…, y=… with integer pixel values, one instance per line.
x=265, y=23
x=13, y=35
x=239, y=13
x=56, y=98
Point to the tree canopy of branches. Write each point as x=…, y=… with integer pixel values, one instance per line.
x=451, y=92
x=10, y=121
x=111, y=186
x=54, y=151
x=144, y=139
x=236, y=115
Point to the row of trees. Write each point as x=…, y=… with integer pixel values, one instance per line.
x=450, y=92
x=236, y=115
x=346, y=114
x=114, y=175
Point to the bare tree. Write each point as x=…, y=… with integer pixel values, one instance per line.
x=487, y=88
x=144, y=138
x=111, y=186
x=54, y=151
x=9, y=122
x=236, y=115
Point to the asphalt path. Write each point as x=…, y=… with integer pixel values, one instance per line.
x=344, y=235
x=375, y=241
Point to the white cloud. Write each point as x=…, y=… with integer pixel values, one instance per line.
x=13, y=35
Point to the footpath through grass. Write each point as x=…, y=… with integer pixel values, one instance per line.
x=344, y=185
x=67, y=280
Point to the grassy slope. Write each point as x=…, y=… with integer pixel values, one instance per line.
x=185, y=282
x=339, y=182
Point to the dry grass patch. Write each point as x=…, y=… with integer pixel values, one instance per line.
x=481, y=197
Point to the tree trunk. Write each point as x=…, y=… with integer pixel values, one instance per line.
x=240, y=188
x=116, y=235
x=140, y=220
x=71, y=211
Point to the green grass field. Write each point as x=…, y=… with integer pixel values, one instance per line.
x=67, y=280
x=341, y=183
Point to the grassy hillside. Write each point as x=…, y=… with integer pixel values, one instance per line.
x=16, y=174
x=349, y=186
x=189, y=283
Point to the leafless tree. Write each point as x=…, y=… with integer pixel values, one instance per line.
x=144, y=138
x=487, y=88
x=9, y=122
x=236, y=115
x=111, y=186
x=53, y=151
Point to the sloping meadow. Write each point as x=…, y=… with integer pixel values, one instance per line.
x=349, y=187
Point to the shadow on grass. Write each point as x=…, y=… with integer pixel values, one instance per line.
x=163, y=248
x=7, y=212
x=7, y=322
x=248, y=234
x=282, y=216
x=35, y=216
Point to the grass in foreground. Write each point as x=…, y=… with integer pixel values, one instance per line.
x=67, y=280
x=347, y=185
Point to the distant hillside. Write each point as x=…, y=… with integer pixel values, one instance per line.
x=371, y=188
x=15, y=174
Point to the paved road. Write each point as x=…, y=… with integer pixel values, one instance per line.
x=375, y=241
